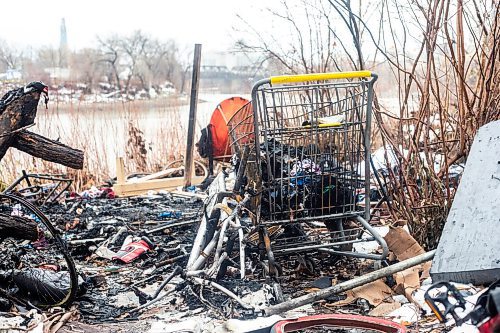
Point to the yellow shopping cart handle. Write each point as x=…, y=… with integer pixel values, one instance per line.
x=280, y=79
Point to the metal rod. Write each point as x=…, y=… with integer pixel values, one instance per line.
x=348, y=285
x=196, y=273
x=171, y=260
x=352, y=254
x=376, y=235
x=368, y=153
x=85, y=241
x=205, y=253
x=315, y=246
x=242, y=247
x=175, y=272
x=224, y=290
x=189, y=162
x=241, y=171
x=138, y=283
x=212, y=271
x=168, y=292
x=219, y=185
x=170, y=225
x=224, y=218
x=311, y=218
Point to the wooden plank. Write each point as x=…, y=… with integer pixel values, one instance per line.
x=136, y=188
x=157, y=175
x=185, y=194
x=123, y=187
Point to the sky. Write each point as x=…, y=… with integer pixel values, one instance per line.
x=37, y=23
x=213, y=23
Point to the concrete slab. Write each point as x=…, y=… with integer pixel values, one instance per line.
x=469, y=248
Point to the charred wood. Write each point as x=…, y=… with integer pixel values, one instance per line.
x=48, y=150
x=20, y=113
x=18, y=227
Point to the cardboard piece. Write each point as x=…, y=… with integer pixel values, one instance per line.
x=404, y=246
x=407, y=282
x=375, y=293
x=384, y=308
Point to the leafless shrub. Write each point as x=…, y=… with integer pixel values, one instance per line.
x=443, y=57
x=452, y=78
x=136, y=147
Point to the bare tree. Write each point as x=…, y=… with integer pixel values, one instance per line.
x=87, y=67
x=303, y=51
x=316, y=42
x=10, y=57
x=140, y=58
x=159, y=62
x=110, y=49
x=133, y=48
x=450, y=79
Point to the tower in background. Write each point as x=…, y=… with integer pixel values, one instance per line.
x=63, y=46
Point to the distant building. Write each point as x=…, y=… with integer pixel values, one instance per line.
x=11, y=75
x=62, y=72
x=58, y=73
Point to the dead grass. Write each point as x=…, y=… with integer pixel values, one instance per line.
x=148, y=134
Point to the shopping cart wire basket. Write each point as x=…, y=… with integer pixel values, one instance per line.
x=310, y=139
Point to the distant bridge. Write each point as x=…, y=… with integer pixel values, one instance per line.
x=223, y=72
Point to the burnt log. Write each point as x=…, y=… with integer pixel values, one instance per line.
x=19, y=113
x=18, y=227
x=48, y=150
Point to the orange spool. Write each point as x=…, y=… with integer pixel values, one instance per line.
x=219, y=128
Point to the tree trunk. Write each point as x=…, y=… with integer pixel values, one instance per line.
x=18, y=227
x=49, y=150
x=18, y=114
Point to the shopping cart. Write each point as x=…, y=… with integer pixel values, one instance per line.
x=305, y=141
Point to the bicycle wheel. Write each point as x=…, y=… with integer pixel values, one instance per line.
x=35, y=267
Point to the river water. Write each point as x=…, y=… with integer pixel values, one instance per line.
x=103, y=131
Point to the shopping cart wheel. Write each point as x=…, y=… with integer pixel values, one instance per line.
x=339, y=229
x=267, y=274
x=306, y=265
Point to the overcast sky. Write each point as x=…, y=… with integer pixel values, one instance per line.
x=37, y=23
x=214, y=23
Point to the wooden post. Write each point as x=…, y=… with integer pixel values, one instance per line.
x=189, y=161
x=120, y=170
